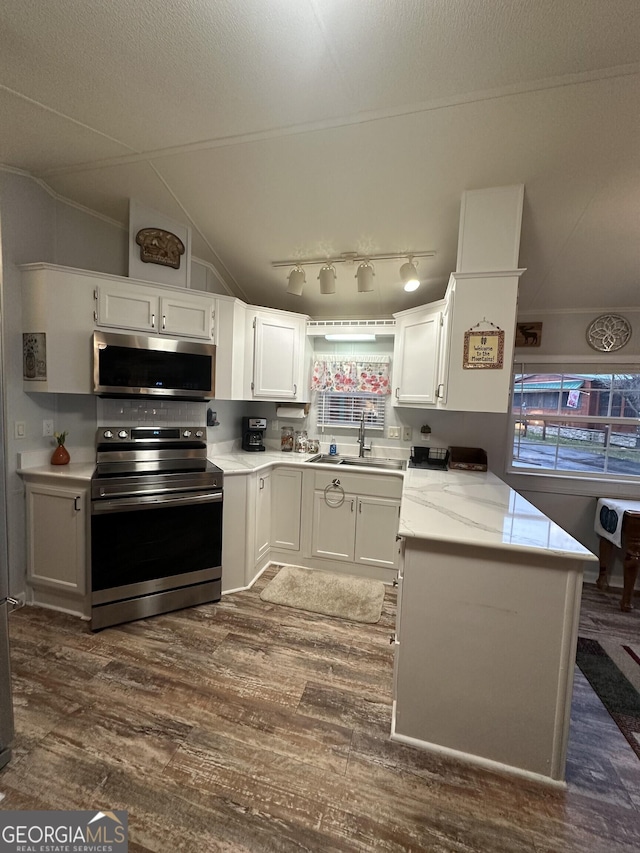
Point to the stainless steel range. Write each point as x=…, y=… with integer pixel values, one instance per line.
x=156, y=523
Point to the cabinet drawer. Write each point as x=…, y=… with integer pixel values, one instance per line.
x=375, y=485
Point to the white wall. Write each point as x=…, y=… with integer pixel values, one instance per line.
x=34, y=226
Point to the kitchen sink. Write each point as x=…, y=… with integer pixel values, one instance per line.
x=361, y=462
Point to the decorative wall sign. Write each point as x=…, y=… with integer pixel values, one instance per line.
x=158, y=246
x=528, y=334
x=608, y=332
x=483, y=348
x=34, y=355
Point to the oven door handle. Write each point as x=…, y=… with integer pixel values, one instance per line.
x=153, y=502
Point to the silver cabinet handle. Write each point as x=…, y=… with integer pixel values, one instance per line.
x=262, y=482
x=360, y=507
x=395, y=582
x=397, y=393
x=164, y=321
x=352, y=505
x=153, y=321
x=295, y=390
x=438, y=392
x=76, y=505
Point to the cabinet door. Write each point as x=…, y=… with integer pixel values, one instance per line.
x=56, y=538
x=131, y=309
x=286, y=503
x=376, y=531
x=263, y=515
x=443, y=359
x=333, y=527
x=187, y=318
x=416, y=359
x=276, y=357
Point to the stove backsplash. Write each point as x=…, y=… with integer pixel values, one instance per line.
x=123, y=411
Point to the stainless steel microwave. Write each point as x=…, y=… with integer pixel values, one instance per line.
x=137, y=365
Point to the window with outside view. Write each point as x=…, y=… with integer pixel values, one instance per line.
x=577, y=424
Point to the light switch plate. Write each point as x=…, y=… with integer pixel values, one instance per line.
x=19, y=429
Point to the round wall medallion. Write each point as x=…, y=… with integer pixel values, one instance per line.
x=608, y=332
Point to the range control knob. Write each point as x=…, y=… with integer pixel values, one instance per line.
x=123, y=433
x=107, y=433
x=199, y=433
x=186, y=433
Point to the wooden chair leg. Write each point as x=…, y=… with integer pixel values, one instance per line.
x=631, y=537
x=630, y=576
x=606, y=554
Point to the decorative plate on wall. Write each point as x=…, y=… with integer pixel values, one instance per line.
x=608, y=332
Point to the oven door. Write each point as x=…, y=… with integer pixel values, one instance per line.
x=152, y=543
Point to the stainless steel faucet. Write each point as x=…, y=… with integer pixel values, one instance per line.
x=361, y=439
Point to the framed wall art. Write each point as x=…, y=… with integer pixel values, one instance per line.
x=528, y=334
x=483, y=348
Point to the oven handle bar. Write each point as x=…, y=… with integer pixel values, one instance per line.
x=153, y=501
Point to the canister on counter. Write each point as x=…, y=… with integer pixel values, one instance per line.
x=301, y=441
x=286, y=439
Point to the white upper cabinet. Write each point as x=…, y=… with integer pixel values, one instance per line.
x=278, y=341
x=429, y=371
x=480, y=301
x=144, y=308
x=230, y=337
x=416, y=355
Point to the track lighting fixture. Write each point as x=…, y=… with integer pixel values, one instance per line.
x=364, y=271
x=365, y=274
x=297, y=278
x=409, y=275
x=327, y=277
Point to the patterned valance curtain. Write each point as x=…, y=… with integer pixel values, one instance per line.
x=351, y=375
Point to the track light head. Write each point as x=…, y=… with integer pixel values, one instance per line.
x=327, y=277
x=409, y=275
x=297, y=279
x=365, y=274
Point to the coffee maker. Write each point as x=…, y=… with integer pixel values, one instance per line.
x=252, y=433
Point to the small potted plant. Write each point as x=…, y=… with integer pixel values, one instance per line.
x=60, y=454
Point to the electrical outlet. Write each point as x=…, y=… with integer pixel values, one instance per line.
x=407, y=434
x=47, y=428
x=19, y=429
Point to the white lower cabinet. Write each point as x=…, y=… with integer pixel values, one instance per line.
x=286, y=508
x=376, y=529
x=263, y=515
x=355, y=519
x=57, y=540
x=333, y=527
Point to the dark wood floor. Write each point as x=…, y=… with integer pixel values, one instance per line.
x=245, y=726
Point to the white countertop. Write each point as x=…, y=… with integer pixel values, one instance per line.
x=467, y=507
x=477, y=508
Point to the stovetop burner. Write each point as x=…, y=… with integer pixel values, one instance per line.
x=152, y=460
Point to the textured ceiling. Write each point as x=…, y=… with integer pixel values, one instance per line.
x=297, y=128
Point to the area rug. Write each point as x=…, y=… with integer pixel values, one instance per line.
x=613, y=670
x=342, y=596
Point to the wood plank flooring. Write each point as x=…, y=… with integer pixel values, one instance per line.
x=245, y=726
